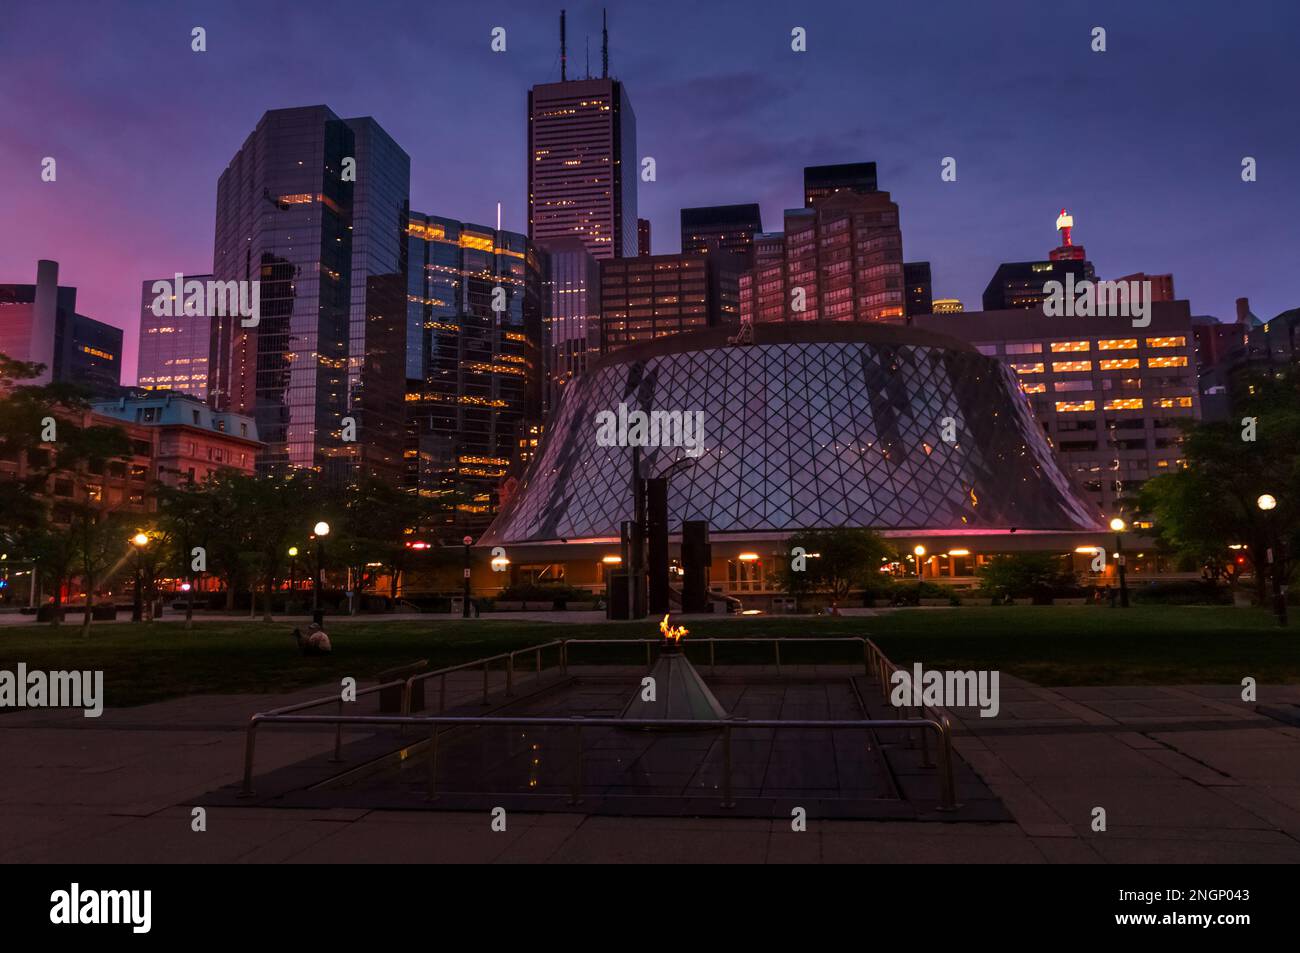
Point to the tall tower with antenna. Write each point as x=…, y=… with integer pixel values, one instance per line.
x=582, y=159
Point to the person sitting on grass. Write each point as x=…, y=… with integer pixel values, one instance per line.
x=316, y=642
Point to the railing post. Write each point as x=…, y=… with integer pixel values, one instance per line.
x=338, y=735
x=564, y=657
x=575, y=796
x=947, y=784
x=648, y=664
x=776, y=644
x=250, y=743
x=727, y=800
x=510, y=674
x=713, y=665
x=926, y=762
x=442, y=693
x=431, y=782
x=866, y=659
x=486, y=666
x=539, y=663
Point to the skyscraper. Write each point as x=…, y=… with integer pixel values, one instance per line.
x=174, y=350
x=1019, y=284
x=572, y=316
x=820, y=181
x=730, y=228
x=920, y=291
x=286, y=217
x=643, y=237
x=646, y=298
x=841, y=260
x=582, y=165
x=377, y=318
x=474, y=394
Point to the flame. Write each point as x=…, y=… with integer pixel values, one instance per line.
x=672, y=633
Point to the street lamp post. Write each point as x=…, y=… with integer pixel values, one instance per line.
x=917, y=553
x=1276, y=556
x=293, y=569
x=464, y=609
x=322, y=529
x=1118, y=525
x=139, y=541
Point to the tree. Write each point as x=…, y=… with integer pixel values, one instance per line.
x=1200, y=510
x=838, y=561
x=185, y=517
x=377, y=521
x=100, y=538
x=55, y=553
x=1021, y=575
x=76, y=452
x=280, y=507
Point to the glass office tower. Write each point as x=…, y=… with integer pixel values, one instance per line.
x=326, y=247
x=377, y=311
x=474, y=397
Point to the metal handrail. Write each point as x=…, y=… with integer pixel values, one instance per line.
x=316, y=702
x=486, y=663
x=884, y=670
x=946, y=784
x=873, y=659
x=712, y=640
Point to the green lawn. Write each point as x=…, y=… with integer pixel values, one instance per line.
x=1048, y=645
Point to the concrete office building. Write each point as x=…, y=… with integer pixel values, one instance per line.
x=39, y=324
x=1107, y=394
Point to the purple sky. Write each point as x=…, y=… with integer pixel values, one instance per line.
x=1143, y=143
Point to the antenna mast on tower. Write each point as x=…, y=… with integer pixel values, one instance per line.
x=604, y=47
x=564, y=72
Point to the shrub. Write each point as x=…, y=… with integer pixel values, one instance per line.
x=1037, y=576
x=532, y=592
x=1182, y=592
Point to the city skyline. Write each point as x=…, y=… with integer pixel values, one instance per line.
x=1151, y=122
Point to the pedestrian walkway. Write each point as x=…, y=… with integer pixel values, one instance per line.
x=1184, y=774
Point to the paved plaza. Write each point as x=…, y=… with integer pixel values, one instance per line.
x=1184, y=774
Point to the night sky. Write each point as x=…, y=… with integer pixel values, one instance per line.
x=1143, y=143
